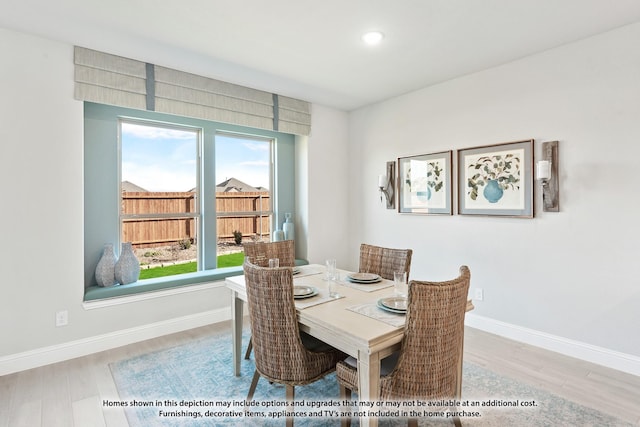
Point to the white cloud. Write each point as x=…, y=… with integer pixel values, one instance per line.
x=152, y=132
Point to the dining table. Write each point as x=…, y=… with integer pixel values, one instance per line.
x=354, y=322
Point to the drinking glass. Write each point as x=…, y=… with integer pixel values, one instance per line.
x=332, y=284
x=274, y=262
x=400, y=283
x=331, y=269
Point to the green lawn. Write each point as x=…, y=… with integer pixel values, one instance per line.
x=229, y=260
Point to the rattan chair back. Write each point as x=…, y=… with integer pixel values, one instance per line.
x=432, y=345
x=384, y=261
x=429, y=363
x=261, y=252
x=279, y=353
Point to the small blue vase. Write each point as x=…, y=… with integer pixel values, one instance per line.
x=288, y=228
x=492, y=191
x=278, y=235
x=424, y=195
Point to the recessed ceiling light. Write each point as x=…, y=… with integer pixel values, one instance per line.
x=372, y=37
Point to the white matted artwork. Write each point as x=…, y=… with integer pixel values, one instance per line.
x=425, y=184
x=496, y=180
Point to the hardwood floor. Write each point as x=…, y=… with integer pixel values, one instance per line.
x=607, y=390
x=70, y=393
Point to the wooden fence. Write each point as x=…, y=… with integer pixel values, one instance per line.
x=153, y=232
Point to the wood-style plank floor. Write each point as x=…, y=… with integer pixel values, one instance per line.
x=70, y=393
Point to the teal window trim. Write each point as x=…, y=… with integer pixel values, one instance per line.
x=96, y=293
x=102, y=198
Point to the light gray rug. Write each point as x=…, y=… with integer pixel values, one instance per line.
x=190, y=385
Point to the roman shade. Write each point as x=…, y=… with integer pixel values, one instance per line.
x=113, y=80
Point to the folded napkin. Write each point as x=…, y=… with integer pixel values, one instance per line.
x=372, y=310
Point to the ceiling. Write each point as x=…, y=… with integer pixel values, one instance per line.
x=312, y=49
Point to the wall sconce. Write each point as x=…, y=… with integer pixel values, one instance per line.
x=547, y=174
x=386, y=184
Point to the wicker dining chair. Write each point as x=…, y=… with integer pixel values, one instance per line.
x=429, y=363
x=384, y=261
x=282, y=353
x=261, y=252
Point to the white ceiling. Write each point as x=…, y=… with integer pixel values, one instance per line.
x=311, y=49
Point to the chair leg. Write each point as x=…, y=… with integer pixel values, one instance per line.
x=254, y=384
x=457, y=422
x=289, y=393
x=345, y=394
x=249, y=347
x=413, y=422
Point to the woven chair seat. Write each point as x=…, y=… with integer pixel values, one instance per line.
x=347, y=372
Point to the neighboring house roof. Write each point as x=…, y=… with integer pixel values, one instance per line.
x=131, y=187
x=235, y=185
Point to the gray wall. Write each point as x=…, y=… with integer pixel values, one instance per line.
x=568, y=275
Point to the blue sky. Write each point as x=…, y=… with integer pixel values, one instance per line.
x=164, y=159
x=243, y=159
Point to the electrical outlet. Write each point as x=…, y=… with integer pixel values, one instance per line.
x=479, y=295
x=62, y=318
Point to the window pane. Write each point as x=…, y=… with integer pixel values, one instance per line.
x=243, y=196
x=159, y=172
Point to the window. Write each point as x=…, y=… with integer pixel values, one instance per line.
x=126, y=153
x=160, y=213
x=243, y=197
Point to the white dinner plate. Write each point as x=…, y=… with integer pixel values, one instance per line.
x=363, y=278
x=396, y=303
x=389, y=306
x=295, y=270
x=303, y=291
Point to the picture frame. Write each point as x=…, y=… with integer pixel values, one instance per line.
x=425, y=184
x=496, y=180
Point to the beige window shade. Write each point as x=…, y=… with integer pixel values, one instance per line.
x=190, y=95
x=109, y=79
x=294, y=116
x=113, y=80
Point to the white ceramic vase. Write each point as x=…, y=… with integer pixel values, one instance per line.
x=288, y=228
x=127, y=269
x=105, y=270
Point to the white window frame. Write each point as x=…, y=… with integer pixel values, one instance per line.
x=197, y=215
x=272, y=194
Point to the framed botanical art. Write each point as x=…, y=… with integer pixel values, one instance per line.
x=425, y=184
x=496, y=180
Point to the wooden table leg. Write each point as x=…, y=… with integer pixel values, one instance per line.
x=236, y=335
x=369, y=387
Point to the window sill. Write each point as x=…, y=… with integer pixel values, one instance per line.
x=93, y=295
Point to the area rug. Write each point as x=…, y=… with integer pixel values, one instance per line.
x=194, y=385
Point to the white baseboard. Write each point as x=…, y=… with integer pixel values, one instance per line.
x=612, y=359
x=47, y=355
x=57, y=353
